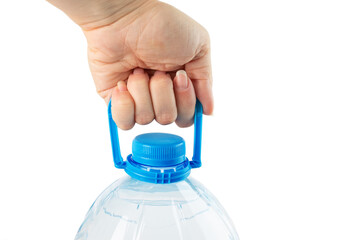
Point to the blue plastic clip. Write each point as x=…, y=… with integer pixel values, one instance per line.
x=115, y=145
x=196, y=159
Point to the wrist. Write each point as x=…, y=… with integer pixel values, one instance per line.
x=91, y=14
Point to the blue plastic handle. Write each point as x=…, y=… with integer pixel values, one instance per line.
x=196, y=159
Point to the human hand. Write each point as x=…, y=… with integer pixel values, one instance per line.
x=157, y=38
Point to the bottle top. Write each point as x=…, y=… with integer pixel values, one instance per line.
x=158, y=149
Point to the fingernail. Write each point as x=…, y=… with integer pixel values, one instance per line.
x=122, y=86
x=138, y=71
x=181, y=81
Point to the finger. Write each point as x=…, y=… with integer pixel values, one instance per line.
x=138, y=86
x=122, y=107
x=199, y=71
x=185, y=99
x=163, y=98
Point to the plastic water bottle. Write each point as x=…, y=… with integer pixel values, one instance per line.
x=158, y=200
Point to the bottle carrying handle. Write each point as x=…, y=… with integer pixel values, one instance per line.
x=196, y=159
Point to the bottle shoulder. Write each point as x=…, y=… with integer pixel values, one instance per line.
x=128, y=189
x=185, y=207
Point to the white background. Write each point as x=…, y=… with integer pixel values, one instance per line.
x=281, y=152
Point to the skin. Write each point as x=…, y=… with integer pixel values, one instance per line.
x=151, y=59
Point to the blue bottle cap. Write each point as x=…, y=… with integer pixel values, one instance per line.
x=158, y=158
x=158, y=149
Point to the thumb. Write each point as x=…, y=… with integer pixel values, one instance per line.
x=199, y=71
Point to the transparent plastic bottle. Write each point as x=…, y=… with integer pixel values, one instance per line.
x=158, y=200
x=135, y=210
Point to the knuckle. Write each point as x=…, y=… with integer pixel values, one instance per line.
x=144, y=118
x=123, y=124
x=165, y=118
x=184, y=124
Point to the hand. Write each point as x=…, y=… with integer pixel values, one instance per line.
x=152, y=62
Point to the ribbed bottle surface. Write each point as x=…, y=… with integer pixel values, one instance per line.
x=131, y=209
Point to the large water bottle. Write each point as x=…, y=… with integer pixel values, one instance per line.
x=158, y=200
